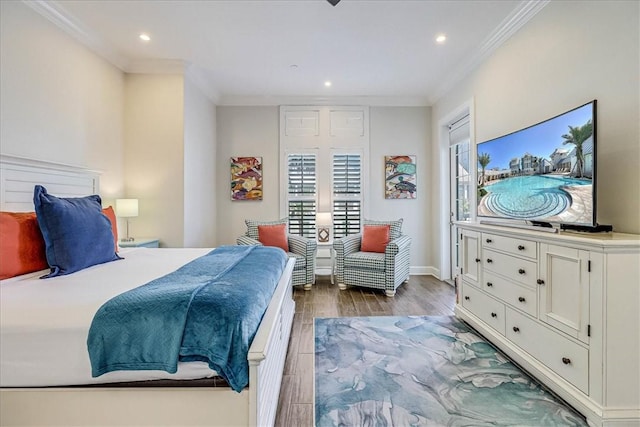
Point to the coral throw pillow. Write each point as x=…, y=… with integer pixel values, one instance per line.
x=274, y=235
x=375, y=238
x=114, y=224
x=22, y=247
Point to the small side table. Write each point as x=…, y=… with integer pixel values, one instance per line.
x=141, y=242
x=323, y=248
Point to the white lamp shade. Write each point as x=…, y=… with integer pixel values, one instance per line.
x=127, y=208
x=323, y=218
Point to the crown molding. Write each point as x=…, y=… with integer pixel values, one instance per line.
x=60, y=17
x=374, y=101
x=156, y=66
x=507, y=28
x=64, y=20
x=199, y=78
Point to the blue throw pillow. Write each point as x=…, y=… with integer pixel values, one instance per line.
x=76, y=233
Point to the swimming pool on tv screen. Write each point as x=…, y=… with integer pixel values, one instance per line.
x=530, y=197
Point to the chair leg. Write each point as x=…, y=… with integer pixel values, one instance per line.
x=307, y=286
x=389, y=293
x=342, y=286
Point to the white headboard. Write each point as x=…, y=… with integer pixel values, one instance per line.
x=18, y=176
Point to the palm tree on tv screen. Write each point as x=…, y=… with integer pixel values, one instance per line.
x=484, y=159
x=577, y=136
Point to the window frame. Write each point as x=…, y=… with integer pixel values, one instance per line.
x=323, y=137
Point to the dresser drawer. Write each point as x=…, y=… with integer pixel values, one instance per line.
x=520, y=247
x=521, y=297
x=486, y=308
x=520, y=270
x=563, y=356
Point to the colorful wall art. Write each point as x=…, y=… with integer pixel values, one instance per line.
x=400, y=177
x=246, y=178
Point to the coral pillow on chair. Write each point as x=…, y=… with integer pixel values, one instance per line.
x=375, y=238
x=22, y=247
x=274, y=235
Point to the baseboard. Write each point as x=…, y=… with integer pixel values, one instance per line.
x=424, y=271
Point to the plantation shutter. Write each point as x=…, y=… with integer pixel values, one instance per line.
x=301, y=194
x=347, y=194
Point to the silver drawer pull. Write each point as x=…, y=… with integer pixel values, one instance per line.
x=516, y=329
x=566, y=360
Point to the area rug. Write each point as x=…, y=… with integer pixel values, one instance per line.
x=423, y=371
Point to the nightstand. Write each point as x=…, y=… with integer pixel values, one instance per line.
x=141, y=242
x=325, y=250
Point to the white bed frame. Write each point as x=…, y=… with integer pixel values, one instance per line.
x=144, y=406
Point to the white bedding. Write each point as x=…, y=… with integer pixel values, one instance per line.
x=44, y=322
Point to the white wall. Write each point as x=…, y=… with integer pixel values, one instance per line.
x=151, y=136
x=59, y=101
x=403, y=131
x=199, y=168
x=154, y=155
x=253, y=131
x=568, y=54
x=246, y=131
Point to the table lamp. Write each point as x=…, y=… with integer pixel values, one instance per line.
x=127, y=208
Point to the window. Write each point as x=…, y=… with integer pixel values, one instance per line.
x=347, y=193
x=301, y=194
x=324, y=156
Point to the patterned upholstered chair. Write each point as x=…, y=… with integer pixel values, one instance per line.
x=301, y=248
x=386, y=270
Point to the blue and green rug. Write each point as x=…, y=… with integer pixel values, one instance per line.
x=423, y=371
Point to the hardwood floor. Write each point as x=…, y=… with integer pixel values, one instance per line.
x=422, y=295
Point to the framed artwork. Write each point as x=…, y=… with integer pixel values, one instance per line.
x=246, y=178
x=400, y=177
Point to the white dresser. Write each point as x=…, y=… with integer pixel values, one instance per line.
x=565, y=306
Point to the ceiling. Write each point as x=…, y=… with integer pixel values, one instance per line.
x=271, y=52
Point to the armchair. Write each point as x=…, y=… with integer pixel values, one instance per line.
x=376, y=270
x=299, y=247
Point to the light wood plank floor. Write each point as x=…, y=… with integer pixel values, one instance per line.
x=422, y=295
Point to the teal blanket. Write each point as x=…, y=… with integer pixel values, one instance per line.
x=208, y=310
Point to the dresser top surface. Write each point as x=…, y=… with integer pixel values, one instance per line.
x=604, y=240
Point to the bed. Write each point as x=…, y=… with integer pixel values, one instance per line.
x=59, y=389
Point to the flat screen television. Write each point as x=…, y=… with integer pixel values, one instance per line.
x=544, y=174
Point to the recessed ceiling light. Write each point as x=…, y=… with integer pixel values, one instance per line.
x=145, y=37
x=441, y=38
x=327, y=83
